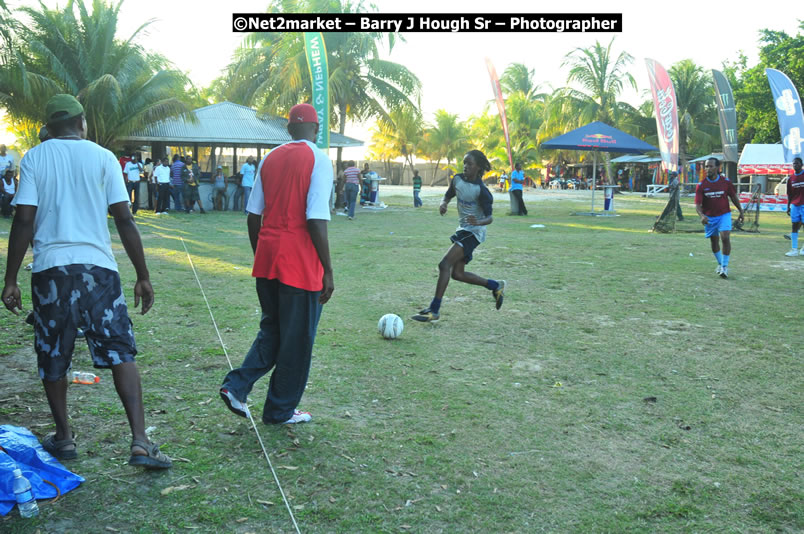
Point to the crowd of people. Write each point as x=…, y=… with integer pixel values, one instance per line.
x=173, y=185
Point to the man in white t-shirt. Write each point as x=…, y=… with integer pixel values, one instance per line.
x=162, y=179
x=8, y=188
x=133, y=170
x=66, y=187
x=247, y=171
x=6, y=160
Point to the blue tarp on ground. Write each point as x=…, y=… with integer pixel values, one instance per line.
x=23, y=451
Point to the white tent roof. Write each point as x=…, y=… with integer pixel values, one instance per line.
x=763, y=159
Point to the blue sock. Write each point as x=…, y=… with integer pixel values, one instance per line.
x=435, y=305
x=719, y=257
x=725, y=261
x=492, y=284
x=794, y=239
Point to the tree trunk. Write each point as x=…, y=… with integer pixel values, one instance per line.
x=435, y=172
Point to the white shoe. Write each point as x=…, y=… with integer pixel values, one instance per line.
x=236, y=407
x=298, y=417
x=801, y=252
x=792, y=252
x=719, y=269
x=724, y=272
x=29, y=267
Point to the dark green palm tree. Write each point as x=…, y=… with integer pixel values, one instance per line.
x=270, y=70
x=697, y=114
x=446, y=139
x=601, y=77
x=74, y=50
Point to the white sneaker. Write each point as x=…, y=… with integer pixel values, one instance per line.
x=298, y=417
x=792, y=252
x=801, y=252
x=724, y=272
x=236, y=407
x=719, y=269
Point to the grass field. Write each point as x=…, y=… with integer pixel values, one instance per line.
x=622, y=387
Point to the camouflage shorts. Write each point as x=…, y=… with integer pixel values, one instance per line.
x=79, y=296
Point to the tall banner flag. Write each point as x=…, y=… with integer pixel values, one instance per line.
x=664, y=101
x=788, y=111
x=495, y=87
x=319, y=75
x=727, y=114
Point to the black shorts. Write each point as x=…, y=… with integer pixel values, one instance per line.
x=467, y=241
x=79, y=296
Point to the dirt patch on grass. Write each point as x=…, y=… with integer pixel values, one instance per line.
x=20, y=372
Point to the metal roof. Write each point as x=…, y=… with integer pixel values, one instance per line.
x=718, y=155
x=226, y=124
x=636, y=159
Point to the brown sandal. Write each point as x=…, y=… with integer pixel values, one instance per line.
x=154, y=459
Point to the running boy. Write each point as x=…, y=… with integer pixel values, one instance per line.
x=474, y=214
x=795, y=196
x=712, y=204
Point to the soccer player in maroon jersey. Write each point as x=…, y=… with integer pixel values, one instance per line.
x=795, y=196
x=712, y=204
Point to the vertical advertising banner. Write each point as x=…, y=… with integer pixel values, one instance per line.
x=727, y=114
x=495, y=87
x=788, y=111
x=664, y=102
x=319, y=76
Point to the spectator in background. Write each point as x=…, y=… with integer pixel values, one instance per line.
x=517, y=179
x=176, y=183
x=340, y=183
x=365, y=185
x=191, y=196
x=219, y=183
x=247, y=171
x=352, y=176
x=133, y=173
x=162, y=178
x=6, y=161
x=417, y=189
x=147, y=175
x=237, y=180
x=8, y=189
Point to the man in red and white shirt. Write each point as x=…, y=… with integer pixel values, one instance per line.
x=795, y=197
x=288, y=212
x=712, y=204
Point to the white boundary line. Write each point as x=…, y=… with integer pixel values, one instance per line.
x=253, y=424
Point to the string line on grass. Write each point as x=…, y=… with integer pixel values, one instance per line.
x=253, y=424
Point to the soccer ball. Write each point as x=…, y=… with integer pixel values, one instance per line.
x=390, y=326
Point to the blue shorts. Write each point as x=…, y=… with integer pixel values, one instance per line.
x=467, y=241
x=796, y=213
x=79, y=296
x=721, y=223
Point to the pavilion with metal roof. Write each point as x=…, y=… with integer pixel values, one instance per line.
x=222, y=125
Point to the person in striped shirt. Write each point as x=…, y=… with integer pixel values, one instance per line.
x=352, y=175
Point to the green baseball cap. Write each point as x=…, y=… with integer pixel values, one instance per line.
x=63, y=105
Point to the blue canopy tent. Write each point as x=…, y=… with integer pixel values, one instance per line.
x=598, y=136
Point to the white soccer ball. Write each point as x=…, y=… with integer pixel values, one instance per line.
x=390, y=326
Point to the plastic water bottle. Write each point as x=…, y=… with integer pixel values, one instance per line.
x=24, y=495
x=81, y=377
